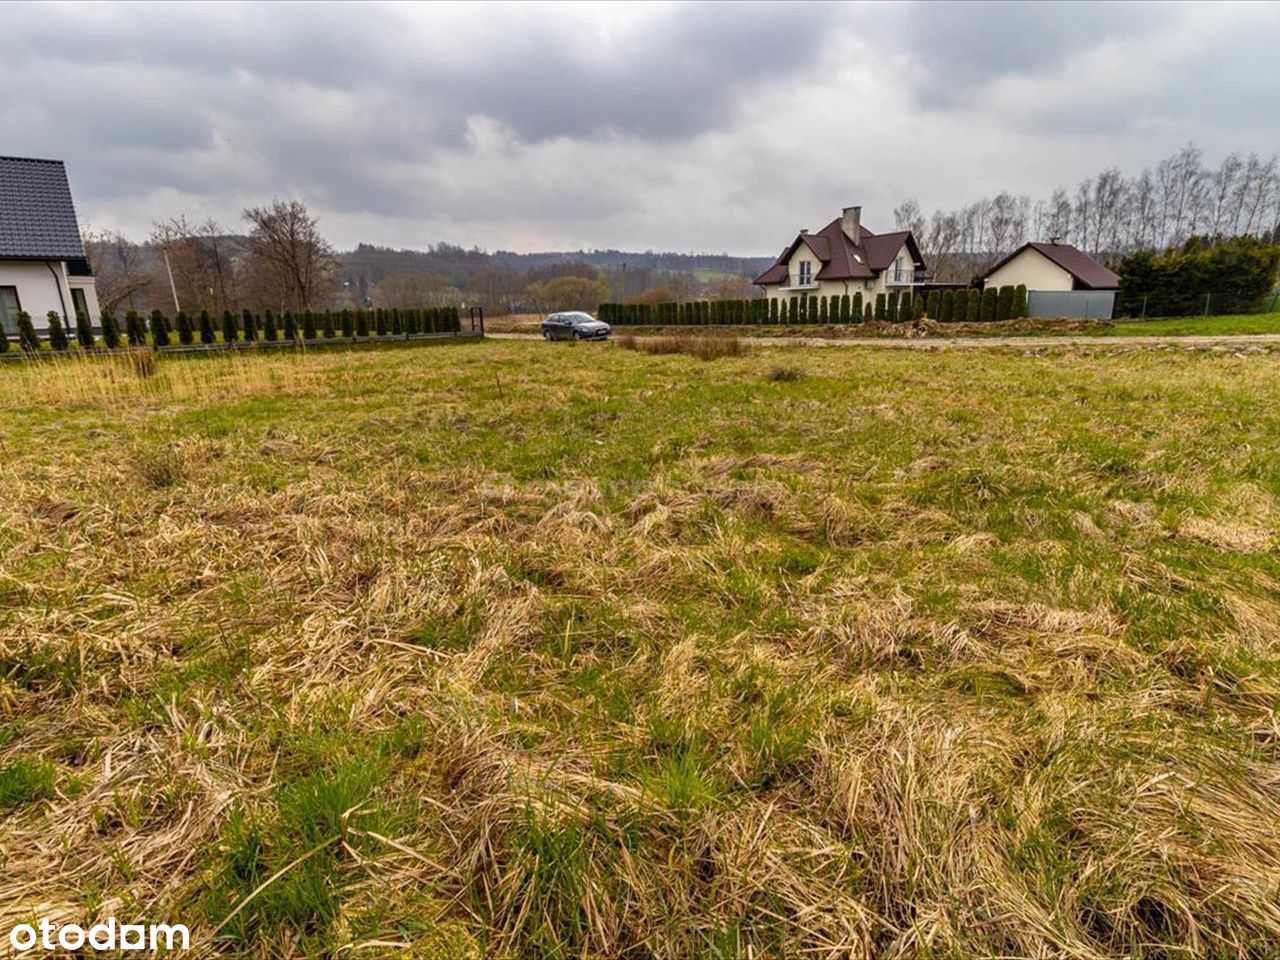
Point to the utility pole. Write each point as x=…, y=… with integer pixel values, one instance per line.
x=177, y=308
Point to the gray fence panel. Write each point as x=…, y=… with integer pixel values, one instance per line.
x=1081, y=304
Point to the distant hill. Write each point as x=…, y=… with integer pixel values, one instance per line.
x=372, y=263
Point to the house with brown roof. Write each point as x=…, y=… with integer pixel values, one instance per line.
x=1051, y=266
x=1061, y=280
x=844, y=257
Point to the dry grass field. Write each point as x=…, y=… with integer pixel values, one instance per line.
x=526, y=650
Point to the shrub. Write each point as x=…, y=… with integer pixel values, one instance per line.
x=891, y=308
x=1004, y=303
x=84, y=331
x=4, y=341
x=868, y=313
x=270, y=331
x=57, y=332
x=248, y=326
x=159, y=329
x=397, y=322
x=380, y=322
x=110, y=330
x=362, y=323
x=882, y=311
x=230, y=332
x=987, y=309
x=308, y=325
x=775, y=311
x=186, y=333
x=946, y=300
x=1230, y=277
x=702, y=347
x=327, y=327
x=794, y=312
x=822, y=309
x=917, y=308
x=973, y=306
x=134, y=329
x=348, y=324
x=935, y=305
x=782, y=374
x=206, y=328
x=290, y=326
x=28, y=339
x=855, y=312
x=1019, y=301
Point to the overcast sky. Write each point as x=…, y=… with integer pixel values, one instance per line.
x=712, y=127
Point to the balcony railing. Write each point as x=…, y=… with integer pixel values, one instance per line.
x=797, y=282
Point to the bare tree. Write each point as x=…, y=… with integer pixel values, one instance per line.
x=292, y=265
x=119, y=268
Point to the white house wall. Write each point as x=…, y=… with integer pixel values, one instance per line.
x=38, y=289
x=1033, y=269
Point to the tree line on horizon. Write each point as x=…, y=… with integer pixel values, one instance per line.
x=1108, y=215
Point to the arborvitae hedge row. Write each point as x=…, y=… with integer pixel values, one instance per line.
x=84, y=331
x=57, y=332
x=159, y=329
x=207, y=334
x=134, y=329
x=230, y=332
x=110, y=330
x=27, y=336
x=269, y=329
x=186, y=334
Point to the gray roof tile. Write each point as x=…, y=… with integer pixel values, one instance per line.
x=37, y=217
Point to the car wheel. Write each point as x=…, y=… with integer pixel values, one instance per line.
x=546, y=335
x=577, y=335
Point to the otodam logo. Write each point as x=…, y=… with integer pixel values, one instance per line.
x=108, y=935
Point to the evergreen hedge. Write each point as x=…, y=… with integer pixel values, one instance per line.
x=935, y=305
x=1019, y=301
x=1231, y=277
x=84, y=331
x=1004, y=303
x=946, y=302
x=270, y=331
x=134, y=330
x=207, y=334
x=186, y=333
x=27, y=335
x=159, y=329
x=4, y=341
x=290, y=326
x=230, y=332
x=110, y=330
x=987, y=308
x=973, y=306
x=57, y=332
x=250, y=326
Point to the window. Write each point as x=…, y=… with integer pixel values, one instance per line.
x=806, y=272
x=79, y=303
x=9, y=307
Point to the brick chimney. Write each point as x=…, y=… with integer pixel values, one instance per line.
x=851, y=224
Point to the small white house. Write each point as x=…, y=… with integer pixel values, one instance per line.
x=1061, y=280
x=42, y=261
x=844, y=257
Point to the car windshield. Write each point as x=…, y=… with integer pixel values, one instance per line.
x=580, y=318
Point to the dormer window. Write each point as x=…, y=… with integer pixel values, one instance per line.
x=806, y=272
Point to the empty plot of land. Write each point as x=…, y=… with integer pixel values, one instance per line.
x=613, y=654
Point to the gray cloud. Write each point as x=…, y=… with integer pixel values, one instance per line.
x=715, y=126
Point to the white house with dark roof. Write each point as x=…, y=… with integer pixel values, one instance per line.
x=845, y=257
x=42, y=261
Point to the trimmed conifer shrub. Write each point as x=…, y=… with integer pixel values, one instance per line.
x=917, y=308
x=397, y=322
x=775, y=311
x=855, y=312
x=362, y=323
x=248, y=326
x=186, y=333
x=348, y=324
x=134, y=329
x=327, y=328
x=28, y=339
x=110, y=330
x=207, y=334
x=882, y=308
x=84, y=331
x=380, y=322
x=846, y=308
x=308, y=325
x=270, y=331
x=290, y=326
x=1004, y=303
x=934, y=305
x=891, y=307
x=1020, y=305
x=57, y=332
x=4, y=341
x=987, y=309
x=972, y=307
x=230, y=329
x=822, y=309
x=159, y=329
